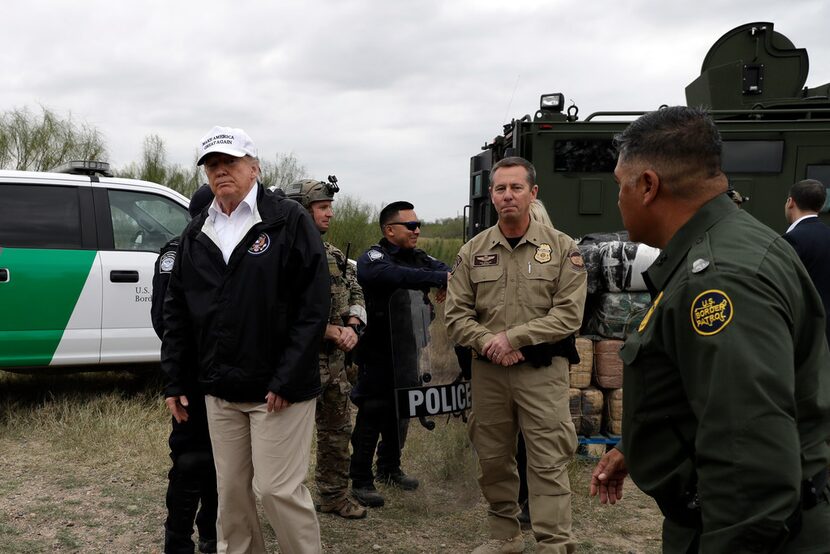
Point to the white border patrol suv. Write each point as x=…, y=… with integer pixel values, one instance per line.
x=77, y=249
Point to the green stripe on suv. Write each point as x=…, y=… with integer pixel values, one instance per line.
x=38, y=300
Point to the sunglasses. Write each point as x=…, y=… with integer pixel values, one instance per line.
x=410, y=225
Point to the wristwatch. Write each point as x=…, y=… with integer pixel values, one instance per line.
x=358, y=328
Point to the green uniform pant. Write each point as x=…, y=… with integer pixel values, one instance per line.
x=814, y=537
x=535, y=401
x=334, y=429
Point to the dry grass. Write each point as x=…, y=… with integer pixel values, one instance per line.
x=85, y=461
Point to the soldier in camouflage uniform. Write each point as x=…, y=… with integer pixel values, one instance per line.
x=346, y=321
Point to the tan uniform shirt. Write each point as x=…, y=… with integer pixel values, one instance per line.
x=535, y=292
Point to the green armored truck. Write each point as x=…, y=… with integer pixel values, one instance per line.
x=775, y=130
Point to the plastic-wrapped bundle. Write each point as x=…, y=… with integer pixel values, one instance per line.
x=613, y=411
x=591, y=257
x=596, y=238
x=607, y=364
x=580, y=374
x=622, y=264
x=591, y=412
x=615, y=314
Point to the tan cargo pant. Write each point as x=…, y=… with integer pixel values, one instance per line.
x=264, y=454
x=535, y=401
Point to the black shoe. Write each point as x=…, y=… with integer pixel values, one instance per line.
x=524, y=516
x=398, y=479
x=368, y=496
x=207, y=546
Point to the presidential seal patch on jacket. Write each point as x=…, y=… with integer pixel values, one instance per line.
x=260, y=245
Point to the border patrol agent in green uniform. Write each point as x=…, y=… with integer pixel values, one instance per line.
x=727, y=380
x=346, y=321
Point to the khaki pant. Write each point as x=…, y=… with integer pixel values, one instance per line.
x=534, y=400
x=266, y=454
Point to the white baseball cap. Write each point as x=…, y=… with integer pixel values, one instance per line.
x=227, y=140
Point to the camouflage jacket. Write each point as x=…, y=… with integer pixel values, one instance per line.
x=346, y=301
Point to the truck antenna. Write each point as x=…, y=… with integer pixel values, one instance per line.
x=509, y=104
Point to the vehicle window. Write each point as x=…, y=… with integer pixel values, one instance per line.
x=33, y=216
x=752, y=156
x=584, y=156
x=142, y=221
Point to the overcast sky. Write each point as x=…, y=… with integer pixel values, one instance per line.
x=393, y=97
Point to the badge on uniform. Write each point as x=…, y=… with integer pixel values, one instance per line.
x=166, y=262
x=485, y=259
x=375, y=255
x=260, y=245
x=711, y=311
x=650, y=311
x=543, y=253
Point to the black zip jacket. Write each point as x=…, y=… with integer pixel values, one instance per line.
x=382, y=270
x=255, y=324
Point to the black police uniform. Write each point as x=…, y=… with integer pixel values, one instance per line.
x=381, y=270
x=192, y=479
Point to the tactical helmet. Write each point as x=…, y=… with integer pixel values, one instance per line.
x=735, y=196
x=308, y=191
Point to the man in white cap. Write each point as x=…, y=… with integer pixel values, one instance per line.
x=245, y=312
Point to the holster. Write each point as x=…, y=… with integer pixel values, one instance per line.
x=541, y=355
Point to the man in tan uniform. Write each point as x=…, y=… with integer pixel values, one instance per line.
x=516, y=297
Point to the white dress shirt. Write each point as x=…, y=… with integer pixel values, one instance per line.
x=799, y=220
x=227, y=230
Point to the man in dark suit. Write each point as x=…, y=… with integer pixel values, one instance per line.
x=809, y=236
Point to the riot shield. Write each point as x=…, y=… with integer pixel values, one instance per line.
x=416, y=395
x=409, y=316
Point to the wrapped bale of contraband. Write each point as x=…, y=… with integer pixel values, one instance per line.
x=613, y=411
x=616, y=314
x=596, y=238
x=575, y=405
x=580, y=374
x=622, y=264
x=591, y=412
x=591, y=258
x=608, y=367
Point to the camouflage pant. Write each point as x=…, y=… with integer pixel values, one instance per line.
x=334, y=429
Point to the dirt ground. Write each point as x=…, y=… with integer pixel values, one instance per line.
x=85, y=464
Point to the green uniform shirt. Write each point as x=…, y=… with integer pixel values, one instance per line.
x=727, y=381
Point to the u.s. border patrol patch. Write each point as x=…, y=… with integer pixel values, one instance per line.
x=711, y=312
x=166, y=262
x=375, y=255
x=260, y=245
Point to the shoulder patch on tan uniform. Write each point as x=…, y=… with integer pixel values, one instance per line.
x=456, y=264
x=576, y=260
x=711, y=312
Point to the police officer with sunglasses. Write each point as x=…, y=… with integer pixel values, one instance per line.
x=389, y=266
